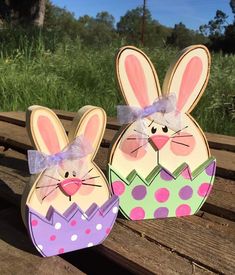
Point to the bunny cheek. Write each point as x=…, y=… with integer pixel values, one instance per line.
x=47, y=193
x=86, y=190
x=133, y=147
x=182, y=144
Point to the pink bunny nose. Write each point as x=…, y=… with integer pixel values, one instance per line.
x=70, y=186
x=158, y=141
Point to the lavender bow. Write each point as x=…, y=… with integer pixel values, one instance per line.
x=77, y=149
x=163, y=111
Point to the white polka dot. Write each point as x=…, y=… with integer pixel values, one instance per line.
x=83, y=217
x=99, y=226
x=74, y=237
x=115, y=209
x=57, y=225
x=40, y=247
x=90, y=244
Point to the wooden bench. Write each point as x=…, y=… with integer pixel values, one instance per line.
x=200, y=244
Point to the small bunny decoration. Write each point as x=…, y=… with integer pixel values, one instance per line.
x=67, y=205
x=160, y=164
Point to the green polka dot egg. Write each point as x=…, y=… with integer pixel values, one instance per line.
x=163, y=194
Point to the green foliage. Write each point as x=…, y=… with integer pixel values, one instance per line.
x=183, y=37
x=66, y=75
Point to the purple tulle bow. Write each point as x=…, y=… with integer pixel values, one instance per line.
x=77, y=149
x=163, y=110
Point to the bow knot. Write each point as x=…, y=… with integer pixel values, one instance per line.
x=163, y=111
x=77, y=149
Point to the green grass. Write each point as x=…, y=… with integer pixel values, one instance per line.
x=67, y=75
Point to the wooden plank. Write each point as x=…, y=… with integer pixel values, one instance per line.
x=216, y=141
x=125, y=248
x=16, y=137
x=221, y=142
x=17, y=255
x=192, y=237
x=16, y=182
x=221, y=201
x=13, y=165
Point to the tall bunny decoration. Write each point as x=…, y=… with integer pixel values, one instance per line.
x=67, y=205
x=160, y=164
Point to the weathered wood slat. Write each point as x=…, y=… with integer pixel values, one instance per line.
x=192, y=238
x=214, y=205
x=186, y=245
x=124, y=247
x=180, y=229
x=216, y=141
x=17, y=138
x=17, y=255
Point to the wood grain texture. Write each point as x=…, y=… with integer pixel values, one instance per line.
x=151, y=236
x=203, y=244
x=216, y=141
x=18, y=256
x=193, y=238
x=123, y=246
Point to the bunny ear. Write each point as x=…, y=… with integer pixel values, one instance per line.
x=45, y=130
x=137, y=77
x=188, y=77
x=90, y=122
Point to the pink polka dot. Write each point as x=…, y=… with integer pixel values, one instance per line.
x=162, y=194
x=61, y=250
x=34, y=222
x=186, y=174
x=52, y=237
x=73, y=223
x=88, y=231
x=137, y=213
x=118, y=188
x=183, y=210
x=204, y=189
x=108, y=229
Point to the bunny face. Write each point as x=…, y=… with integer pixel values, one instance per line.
x=160, y=164
x=79, y=181
x=142, y=148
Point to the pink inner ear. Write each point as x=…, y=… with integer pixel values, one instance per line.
x=189, y=81
x=136, y=77
x=48, y=134
x=91, y=128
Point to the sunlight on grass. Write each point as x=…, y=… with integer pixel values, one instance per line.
x=68, y=76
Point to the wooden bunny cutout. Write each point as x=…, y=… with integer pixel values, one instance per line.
x=160, y=164
x=67, y=205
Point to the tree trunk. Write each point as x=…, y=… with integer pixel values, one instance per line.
x=24, y=12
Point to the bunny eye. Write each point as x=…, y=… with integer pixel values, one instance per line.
x=165, y=129
x=66, y=174
x=153, y=130
x=74, y=174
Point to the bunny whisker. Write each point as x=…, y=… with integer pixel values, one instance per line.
x=43, y=186
x=151, y=123
x=180, y=143
x=96, y=185
x=139, y=147
x=136, y=138
x=182, y=136
x=51, y=177
x=91, y=178
x=50, y=193
x=179, y=131
x=87, y=173
x=141, y=133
